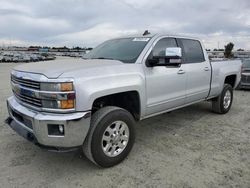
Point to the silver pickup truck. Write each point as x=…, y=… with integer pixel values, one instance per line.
x=94, y=103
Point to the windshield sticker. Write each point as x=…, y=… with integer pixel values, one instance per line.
x=142, y=39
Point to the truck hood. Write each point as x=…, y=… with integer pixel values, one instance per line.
x=53, y=69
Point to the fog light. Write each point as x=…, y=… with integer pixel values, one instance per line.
x=61, y=129
x=55, y=130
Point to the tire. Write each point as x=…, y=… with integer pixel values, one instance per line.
x=218, y=105
x=102, y=123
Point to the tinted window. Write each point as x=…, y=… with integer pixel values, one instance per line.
x=193, y=51
x=126, y=50
x=161, y=45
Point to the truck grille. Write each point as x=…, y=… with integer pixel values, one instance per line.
x=24, y=95
x=30, y=100
x=25, y=82
x=35, y=91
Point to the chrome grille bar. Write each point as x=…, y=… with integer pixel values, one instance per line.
x=28, y=100
x=25, y=82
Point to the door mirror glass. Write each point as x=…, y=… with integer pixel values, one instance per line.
x=173, y=55
x=173, y=52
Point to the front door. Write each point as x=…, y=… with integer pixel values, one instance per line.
x=165, y=86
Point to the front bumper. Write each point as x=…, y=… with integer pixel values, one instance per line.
x=245, y=85
x=33, y=126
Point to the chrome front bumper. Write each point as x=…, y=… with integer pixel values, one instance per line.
x=33, y=126
x=245, y=85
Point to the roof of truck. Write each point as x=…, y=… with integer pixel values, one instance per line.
x=151, y=35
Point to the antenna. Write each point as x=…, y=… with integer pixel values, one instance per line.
x=146, y=32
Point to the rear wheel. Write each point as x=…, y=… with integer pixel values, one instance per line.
x=111, y=136
x=223, y=102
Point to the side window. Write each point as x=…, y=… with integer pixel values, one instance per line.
x=160, y=47
x=193, y=51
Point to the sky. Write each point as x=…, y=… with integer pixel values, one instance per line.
x=87, y=23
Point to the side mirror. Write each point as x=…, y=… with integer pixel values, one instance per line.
x=172, y=57
x=152, y=62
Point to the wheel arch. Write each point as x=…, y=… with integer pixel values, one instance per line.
x=231, y=80
x=129, y=100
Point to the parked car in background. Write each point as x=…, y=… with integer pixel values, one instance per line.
x=25, y=58
x=50, y=57
x=17, y=57
x=8, y=58
x=245, y=75
x=34, y=57
x=41, y=58
x=22, y=57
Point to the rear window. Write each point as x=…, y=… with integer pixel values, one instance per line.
x=193, y=52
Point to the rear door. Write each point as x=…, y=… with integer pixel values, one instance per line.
x=198, y=70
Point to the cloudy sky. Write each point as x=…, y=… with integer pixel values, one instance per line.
x=89, y=22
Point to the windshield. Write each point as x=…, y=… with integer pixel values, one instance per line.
x=246, y=63
x=126, y=50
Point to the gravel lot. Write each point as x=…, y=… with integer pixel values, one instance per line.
x=191, y=147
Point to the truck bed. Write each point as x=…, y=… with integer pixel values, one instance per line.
x=220, y=70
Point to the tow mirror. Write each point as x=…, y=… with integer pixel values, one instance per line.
x=172, y=57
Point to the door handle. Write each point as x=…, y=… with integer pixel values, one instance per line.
x=181, y=71
x=206, y=69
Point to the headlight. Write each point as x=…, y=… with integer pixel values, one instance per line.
x=66, y=86
x=58, y=95
x=59, y=104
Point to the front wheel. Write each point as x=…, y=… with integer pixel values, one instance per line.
x=111, y=136
x=223, y=102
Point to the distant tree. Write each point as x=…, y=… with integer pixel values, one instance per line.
x=146, y=32
x=46, y=47
x=35, y=47
x=228, y=50
x=215, y=49
x=208, y=50
x=77, y=48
